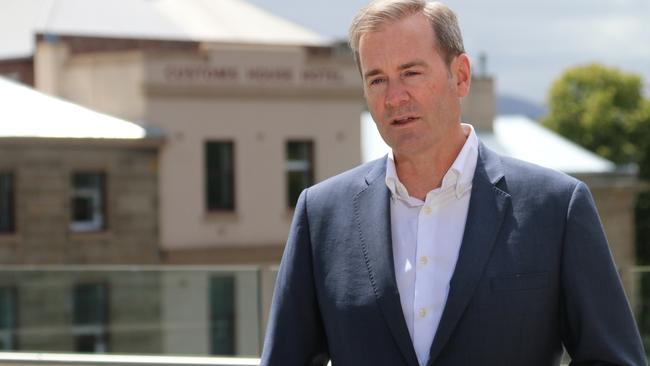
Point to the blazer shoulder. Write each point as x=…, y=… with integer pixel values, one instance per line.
x=535, y=178
x=537, y=192
x=348, y=183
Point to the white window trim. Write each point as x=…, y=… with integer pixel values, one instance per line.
x=97, y=221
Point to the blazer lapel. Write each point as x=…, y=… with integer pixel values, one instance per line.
x=487, y=207
x=372, y=215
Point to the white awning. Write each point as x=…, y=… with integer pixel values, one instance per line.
x=29, y=113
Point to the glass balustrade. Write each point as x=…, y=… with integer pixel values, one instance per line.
x=161, y=310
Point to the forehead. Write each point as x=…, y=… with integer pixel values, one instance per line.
x=397, y=42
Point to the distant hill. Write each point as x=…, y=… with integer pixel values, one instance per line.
x=507, y=104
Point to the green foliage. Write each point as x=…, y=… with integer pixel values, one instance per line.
x=597, y=108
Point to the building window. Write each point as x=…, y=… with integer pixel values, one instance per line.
x=88, y=201
x=219, y=176
x=90, y=317
x=7, y=212
x=7, y=318
x=300, y=169
x=222, y=315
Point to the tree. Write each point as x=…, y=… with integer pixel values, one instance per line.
x=597, y=108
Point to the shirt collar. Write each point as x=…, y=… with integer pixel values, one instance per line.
x=458, y=178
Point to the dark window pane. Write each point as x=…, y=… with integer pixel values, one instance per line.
x=299, y=150
x=87, y=180
x=222, y=315
x=300, y=171
x=7, y=318
x=90, y=317
x=88, y=343
x=219, y=173
x=6, y=203
x=83, y=209
x=297, y=182
x=90, y=304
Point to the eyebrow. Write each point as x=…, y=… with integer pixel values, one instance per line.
x=405, y=66
x=408, y=65
x=371, y=73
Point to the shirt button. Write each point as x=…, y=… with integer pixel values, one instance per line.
x=424, y=260
x=427, y=210
x=422, y=312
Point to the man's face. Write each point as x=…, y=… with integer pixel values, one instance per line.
x=412, y=94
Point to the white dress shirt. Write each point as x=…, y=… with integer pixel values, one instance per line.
x=426, y=240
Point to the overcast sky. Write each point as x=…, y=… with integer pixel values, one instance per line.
x=528, y=43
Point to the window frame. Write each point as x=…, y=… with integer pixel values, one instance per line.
x=100, y=219
x=99, y=330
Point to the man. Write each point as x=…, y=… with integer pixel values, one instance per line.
x=442, y=253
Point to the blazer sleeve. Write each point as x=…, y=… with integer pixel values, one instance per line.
x=597, y=325
x=295, y=335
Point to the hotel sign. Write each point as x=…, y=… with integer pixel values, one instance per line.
x=178, y=73
x=249, y=76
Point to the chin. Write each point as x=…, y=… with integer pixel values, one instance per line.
x=409, y=149
x=409, y=143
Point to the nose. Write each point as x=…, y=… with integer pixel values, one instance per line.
x=396, y=94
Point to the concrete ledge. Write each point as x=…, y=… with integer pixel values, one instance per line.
x=28, y=358
x=23, y=359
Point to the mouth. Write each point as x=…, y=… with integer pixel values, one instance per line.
x=403, y=120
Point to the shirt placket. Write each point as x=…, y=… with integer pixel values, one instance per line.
x=424, y=299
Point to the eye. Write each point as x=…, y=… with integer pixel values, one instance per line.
x=376, y=81
x=411, y=73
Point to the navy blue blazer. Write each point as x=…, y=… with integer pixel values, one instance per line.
x=534, y=274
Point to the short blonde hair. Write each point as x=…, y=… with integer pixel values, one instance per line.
x=443, y=21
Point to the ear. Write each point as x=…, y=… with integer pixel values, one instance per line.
x=462, y=70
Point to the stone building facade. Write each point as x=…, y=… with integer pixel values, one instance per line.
x=43, y=171
x=80, y=310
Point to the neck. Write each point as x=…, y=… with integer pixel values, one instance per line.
x=424, y=171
